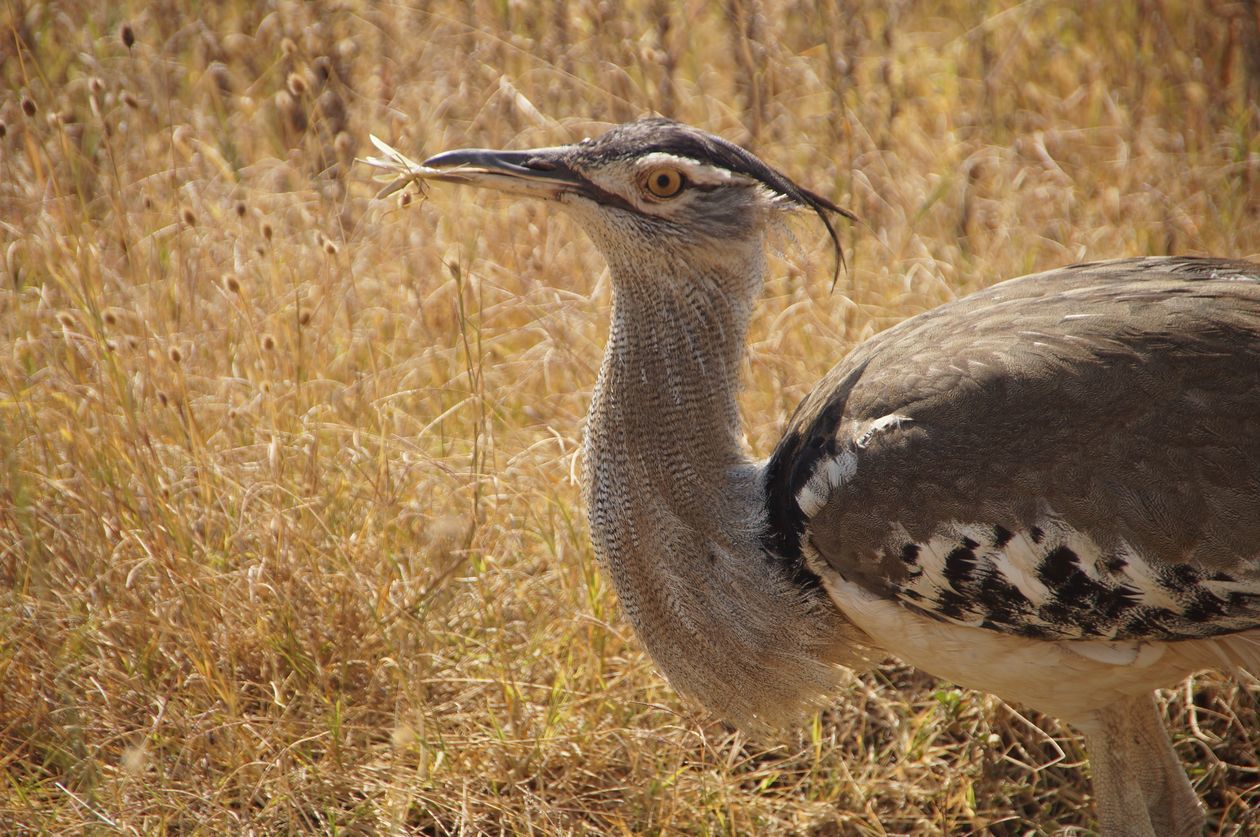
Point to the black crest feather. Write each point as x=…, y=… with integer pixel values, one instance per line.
x=657, y=134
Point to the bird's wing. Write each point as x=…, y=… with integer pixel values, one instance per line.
x=1074, y=454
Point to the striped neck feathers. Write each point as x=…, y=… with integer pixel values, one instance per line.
x=677, y=508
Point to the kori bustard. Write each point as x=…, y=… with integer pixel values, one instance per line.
x=1048, y=490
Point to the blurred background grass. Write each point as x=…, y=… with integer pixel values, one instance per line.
x=289, y=532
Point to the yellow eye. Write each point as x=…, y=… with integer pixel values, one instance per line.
x=664, y=183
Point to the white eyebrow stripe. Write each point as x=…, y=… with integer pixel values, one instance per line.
x=695, y=171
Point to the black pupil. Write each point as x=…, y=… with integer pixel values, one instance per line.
x=662, y=181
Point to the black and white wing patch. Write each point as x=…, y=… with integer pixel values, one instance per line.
x=1045, y=580
x=1074, y=454
x=1054, y=582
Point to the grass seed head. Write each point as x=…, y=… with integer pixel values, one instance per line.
x=134, y=760
x=291, y=110
x=221, y=76
x=403, y=736
x=128, y=35
x=236, y=44
x=28, y=106
x=343, y=145
x=323, y=69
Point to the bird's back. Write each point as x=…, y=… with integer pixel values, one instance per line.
x=1073, y=454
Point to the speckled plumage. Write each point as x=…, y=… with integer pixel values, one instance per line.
x=1105, y=418
x=1049, y=489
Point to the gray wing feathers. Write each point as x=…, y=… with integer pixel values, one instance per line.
x=1074, y=453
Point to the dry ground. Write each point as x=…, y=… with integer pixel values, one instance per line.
x=289, y=533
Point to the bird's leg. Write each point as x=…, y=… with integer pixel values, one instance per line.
x=1139, y=785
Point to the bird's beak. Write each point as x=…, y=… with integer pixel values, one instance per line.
x=537, y=172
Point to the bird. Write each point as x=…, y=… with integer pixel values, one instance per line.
x=1048, y=490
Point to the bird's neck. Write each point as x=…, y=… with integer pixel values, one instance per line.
x=664, y=419
x=677, y=508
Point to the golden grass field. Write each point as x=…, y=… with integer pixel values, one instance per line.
x=290, y=536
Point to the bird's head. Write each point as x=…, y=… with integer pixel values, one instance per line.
x=651, y=193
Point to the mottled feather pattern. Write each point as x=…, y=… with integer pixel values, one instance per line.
x=1054, y=583
x=676, y=515
x=1120, y=431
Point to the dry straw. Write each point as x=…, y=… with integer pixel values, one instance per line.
x=308, y=553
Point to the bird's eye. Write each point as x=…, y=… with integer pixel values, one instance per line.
x=664, y=183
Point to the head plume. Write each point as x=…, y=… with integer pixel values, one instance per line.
x=652, y=134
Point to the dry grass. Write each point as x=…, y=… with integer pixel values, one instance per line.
x=289, y=538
